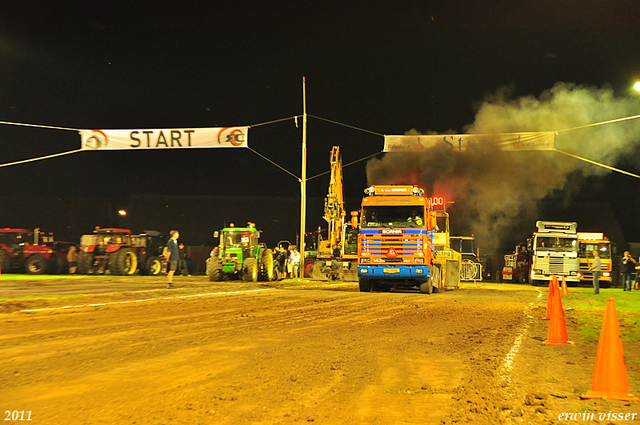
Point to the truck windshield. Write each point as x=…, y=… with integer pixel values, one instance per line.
x=554, y=243
x=393, y=216
x=586, y=249
x=463, y=246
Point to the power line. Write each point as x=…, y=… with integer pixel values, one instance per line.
x=39, y=158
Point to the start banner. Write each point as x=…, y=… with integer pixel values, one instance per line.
x=528, y=141
x=217, y=137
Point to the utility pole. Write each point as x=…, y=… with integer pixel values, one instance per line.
x=303, y=180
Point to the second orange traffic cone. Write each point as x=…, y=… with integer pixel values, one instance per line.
x=553, y=286
x=557, y=325
x=610, y=373
x=565, y=290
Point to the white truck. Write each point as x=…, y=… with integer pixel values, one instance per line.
x=555, y=252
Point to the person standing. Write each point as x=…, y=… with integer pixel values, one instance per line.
x=627, y=268
x=182, y=264
x=282, y=263
x=174, y=257
x=595, y=268
x=72, y=259
x=290, y=262
x=295, y=262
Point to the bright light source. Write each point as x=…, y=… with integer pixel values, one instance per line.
x=637, y=86
x=122, y=212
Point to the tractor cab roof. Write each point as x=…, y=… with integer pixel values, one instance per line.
x=7, y=230
x=111, y=231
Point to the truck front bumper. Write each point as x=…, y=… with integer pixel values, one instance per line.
x=421, y=272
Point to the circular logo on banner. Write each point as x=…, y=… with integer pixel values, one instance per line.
x=232, y=136
x=96, y=139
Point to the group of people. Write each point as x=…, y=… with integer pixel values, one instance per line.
x=287, y=261
x=629, y=269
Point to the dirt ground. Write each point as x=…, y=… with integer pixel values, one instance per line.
x=125, y=350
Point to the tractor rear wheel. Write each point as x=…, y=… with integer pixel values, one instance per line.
x=266, y=265
x=5, y=261
x=36, y=264
x=250, y=270
x=56, y=265
x=123, y=262
x=85, y=263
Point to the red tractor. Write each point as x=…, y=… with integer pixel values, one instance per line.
x=30, y=251
x=108, y=250
x=517, y=265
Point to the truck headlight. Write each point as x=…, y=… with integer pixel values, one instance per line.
x=364, y=271
x=419, y=271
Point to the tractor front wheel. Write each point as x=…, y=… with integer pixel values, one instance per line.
x=36, y=264
x=214, y=268
x=153, y=266
x=250, y=270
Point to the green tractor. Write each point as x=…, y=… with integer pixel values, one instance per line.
x=240, y=256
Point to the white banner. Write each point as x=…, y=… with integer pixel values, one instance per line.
x=529, y=141
x=221, y=137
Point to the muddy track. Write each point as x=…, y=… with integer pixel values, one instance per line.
x=229, y=353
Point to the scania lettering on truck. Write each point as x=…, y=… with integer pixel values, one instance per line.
x=395, y=242
x=555, y=252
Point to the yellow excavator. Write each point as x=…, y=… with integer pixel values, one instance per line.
x=337, y=255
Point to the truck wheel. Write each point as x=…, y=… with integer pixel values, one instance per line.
x=426, y=287
x=214, y=269
x=250, y=270
x=364, y=284
x=85, y=263
x=36, y=264
x=266, y=265
x=5, y=261
x=153, y=266
x=123, y=262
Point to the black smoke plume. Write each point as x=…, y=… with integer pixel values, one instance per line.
x=495, y=190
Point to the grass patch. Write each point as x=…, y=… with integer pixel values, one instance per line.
x=42, y=297
x=589, y=311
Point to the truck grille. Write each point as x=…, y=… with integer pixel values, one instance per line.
x=406, y=247
x=557, y=265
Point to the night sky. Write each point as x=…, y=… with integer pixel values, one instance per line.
x=383, y=66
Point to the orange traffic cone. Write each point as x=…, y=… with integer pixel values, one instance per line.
x=557, y=326
x=553, y=285
x=610, y=373
x=565, y=290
